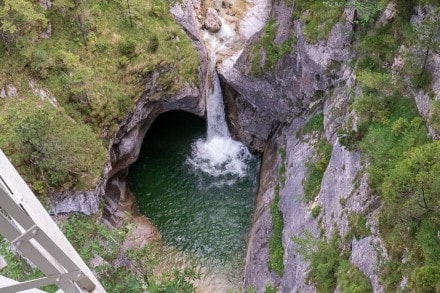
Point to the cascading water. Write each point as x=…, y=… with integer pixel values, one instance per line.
x=219, y=154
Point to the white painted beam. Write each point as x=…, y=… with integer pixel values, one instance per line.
x=9, y=282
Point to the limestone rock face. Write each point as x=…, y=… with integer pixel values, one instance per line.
x=265, y=110
x=213, y=22
x=46, y=4
x=86, y=202
x=126, y=144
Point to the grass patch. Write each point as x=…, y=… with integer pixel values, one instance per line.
x=358, y=226
x=316, y=211
x=95, y=63
x=329, y=265
x=62, y=154
x=272, y=52
x=316, y=123
x=94, y=240
x=315, y=169
x=276, y=250
x=319, y=17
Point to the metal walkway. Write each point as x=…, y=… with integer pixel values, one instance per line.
x=25, y=223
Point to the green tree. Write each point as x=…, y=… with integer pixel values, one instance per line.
x=20, y=20
x=60, y=149
x=426, y=279
x=415, y=181
x=49, y=149
x=428, y=38
x=323, y=257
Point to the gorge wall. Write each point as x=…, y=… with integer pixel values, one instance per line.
x=268, y=106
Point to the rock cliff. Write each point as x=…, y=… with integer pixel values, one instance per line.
x=267, y=108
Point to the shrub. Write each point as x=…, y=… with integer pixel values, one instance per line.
x=324, y=260
x=316, y=211
x=415, y=180
x=316, y=169
x=426, y=279
x=92, y=239
x=63, y=154
x=391, y=275
x=329, y=266
x=384, y=147
x=153, y=44
x=127, y=47
x=351, y=279
x=316, y=123
x=358, y=226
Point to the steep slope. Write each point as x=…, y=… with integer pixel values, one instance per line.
x=333, y=88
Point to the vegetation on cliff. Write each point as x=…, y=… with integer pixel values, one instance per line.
x=389, y=131
x=118, y=266
x=71, y=71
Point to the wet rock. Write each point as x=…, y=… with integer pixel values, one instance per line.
x=212, y=22
x=143, y=233
x=85, y=202
x=256, y=272
x=126, y=143
x=255, y=17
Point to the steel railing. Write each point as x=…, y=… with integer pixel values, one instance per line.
x=25, y=223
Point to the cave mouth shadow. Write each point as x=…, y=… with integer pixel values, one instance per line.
x=193, y=210
x=175, y=123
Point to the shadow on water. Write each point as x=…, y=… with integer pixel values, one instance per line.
x=203, y=215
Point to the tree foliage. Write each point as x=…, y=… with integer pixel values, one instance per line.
x=415, y=181
x=20, y=20
x=426, y=279
x=329, y=265
x=63, y=153
x=428, y=35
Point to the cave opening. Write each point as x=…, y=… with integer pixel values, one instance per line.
x=204, y=215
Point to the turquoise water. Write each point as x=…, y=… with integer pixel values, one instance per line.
x=203, y=215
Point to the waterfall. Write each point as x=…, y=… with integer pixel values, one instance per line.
x=219, y=154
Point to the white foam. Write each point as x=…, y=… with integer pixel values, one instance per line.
x=220, y=156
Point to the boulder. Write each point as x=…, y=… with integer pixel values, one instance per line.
x=86, y=202
x=213, y=22
x=12, y=90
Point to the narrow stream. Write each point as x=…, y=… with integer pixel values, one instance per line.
x=203, y=214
